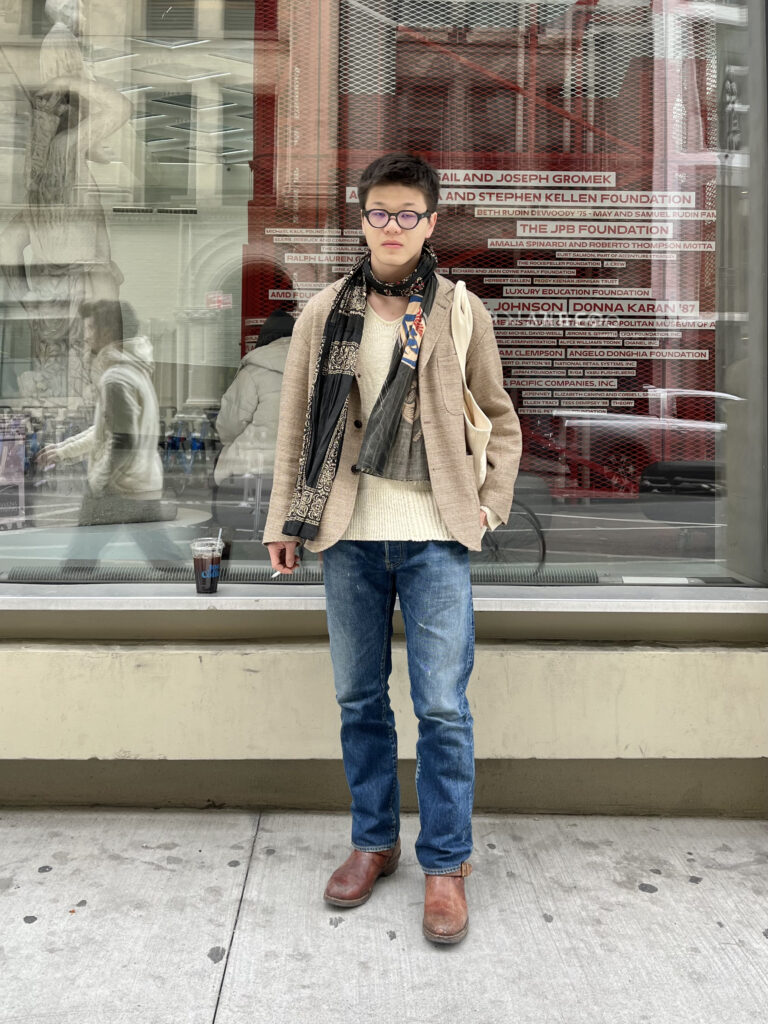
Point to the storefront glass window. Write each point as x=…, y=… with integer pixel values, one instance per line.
x=176, y=182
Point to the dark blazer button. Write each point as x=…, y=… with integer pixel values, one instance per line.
x=358, y=424
x=355, y=469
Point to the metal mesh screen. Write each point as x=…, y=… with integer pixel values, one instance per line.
x=578, y=143
x=564, y=87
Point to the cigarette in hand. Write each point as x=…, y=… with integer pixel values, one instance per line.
x=275, y=575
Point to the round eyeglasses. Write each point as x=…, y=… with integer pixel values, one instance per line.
x=406, y=219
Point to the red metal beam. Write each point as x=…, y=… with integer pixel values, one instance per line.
x=521, y=90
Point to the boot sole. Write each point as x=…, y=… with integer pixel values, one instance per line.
x=445, y=940
x=334, y=902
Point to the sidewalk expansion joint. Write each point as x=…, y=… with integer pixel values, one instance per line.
x=237, y=918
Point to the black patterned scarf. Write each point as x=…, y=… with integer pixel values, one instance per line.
x=393, y=445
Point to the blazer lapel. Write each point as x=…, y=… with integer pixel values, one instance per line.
x=436, y=323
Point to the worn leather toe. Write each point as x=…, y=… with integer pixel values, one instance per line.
x=352, y=883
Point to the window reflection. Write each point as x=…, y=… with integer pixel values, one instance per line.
x=124, y=473
x=198, y=163
x=247, y=429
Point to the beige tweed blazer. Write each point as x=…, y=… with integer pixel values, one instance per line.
x=442, y=408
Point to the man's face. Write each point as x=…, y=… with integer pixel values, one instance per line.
x=394, y=251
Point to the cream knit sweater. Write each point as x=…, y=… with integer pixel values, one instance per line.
x=388, y=509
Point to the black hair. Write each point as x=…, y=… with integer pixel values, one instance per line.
x=278, y=324
x=112, y=319
x=401, y=169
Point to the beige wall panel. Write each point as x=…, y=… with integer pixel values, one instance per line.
x=276, y=701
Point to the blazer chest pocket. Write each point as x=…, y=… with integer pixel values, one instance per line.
x=451, y=386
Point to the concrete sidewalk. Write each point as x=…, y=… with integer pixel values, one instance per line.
x=193, y=917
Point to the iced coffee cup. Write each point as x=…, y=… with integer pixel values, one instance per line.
x=206, y=552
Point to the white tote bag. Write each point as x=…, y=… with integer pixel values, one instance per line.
x=477, y=426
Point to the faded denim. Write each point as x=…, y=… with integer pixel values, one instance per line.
x=432, y=581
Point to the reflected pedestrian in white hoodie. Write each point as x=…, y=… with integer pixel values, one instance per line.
x=125, y=472
x=247, y=424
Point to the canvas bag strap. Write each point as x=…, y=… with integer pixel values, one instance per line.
x=477, y=426
x=461, y=325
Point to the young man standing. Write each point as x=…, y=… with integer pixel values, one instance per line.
x=372, y=469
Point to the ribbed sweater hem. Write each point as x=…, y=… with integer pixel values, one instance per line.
x=395, y=510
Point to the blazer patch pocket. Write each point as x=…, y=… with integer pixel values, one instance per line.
x=450, y=384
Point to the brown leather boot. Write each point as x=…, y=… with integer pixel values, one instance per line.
x=351, y=884
x=445, y=906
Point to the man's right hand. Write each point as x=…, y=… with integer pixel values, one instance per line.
x=47, y=457
x=282, y=555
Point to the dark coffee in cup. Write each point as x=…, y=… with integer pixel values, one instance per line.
x=206, y=553
x=207, y=570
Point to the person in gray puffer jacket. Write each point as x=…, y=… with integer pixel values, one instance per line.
x=247, y=421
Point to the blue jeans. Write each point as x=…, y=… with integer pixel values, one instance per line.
x=432, y=581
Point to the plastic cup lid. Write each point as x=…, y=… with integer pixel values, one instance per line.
x=207, y=544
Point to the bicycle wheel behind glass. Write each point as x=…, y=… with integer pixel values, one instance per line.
x=519, y=542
